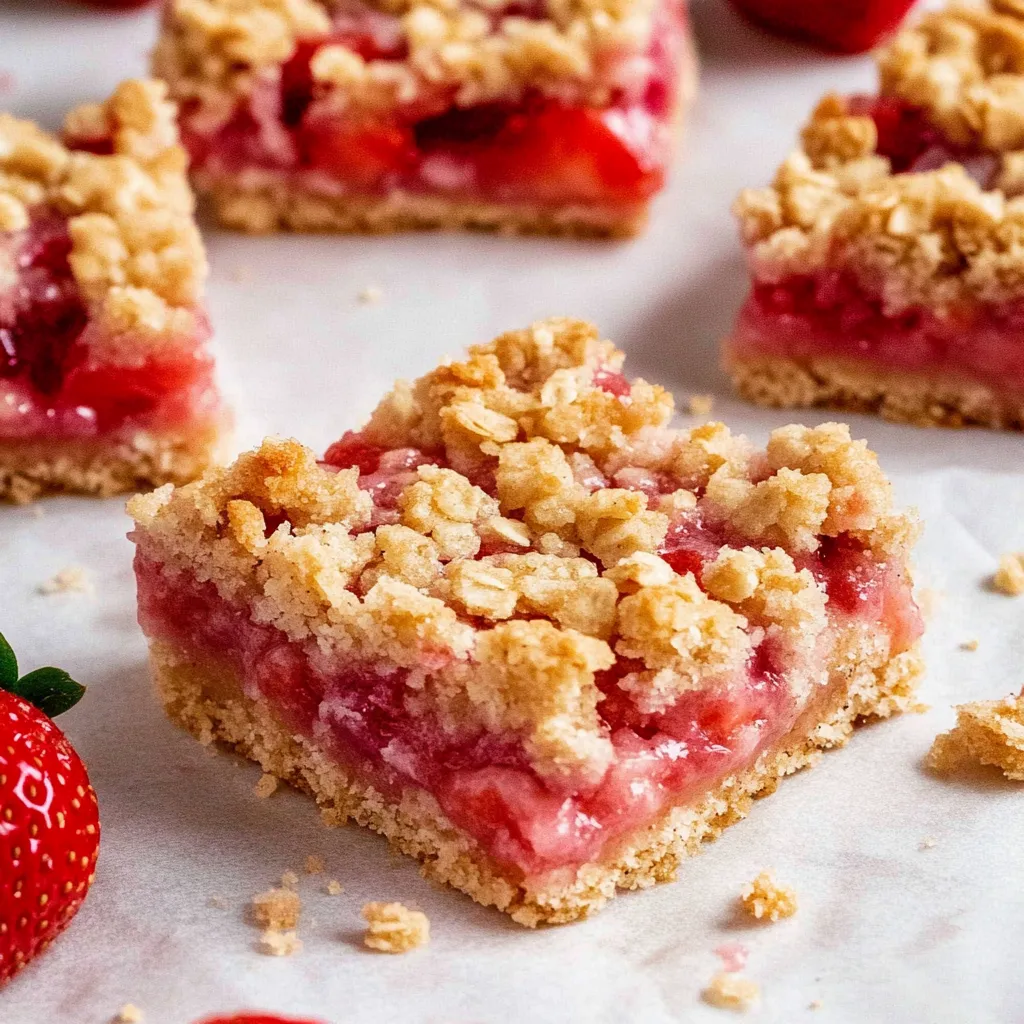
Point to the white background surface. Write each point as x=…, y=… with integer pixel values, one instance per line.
x=885, y=932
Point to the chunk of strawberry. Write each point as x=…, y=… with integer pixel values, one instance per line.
x=362, y=152
x=849, y=26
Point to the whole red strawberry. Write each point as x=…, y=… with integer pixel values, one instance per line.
x=49, y=822
x=850, y=26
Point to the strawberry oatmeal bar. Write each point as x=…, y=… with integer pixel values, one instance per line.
x=553, y=116
x=538, y=638
x=106, y=384
x=888, y=256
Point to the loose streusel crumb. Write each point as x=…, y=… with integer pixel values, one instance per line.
x=701, y=405
x=73, y=580
x=289, y=880
x=314, y=865
x=732, y=992
x=394, y=928
x=987, y=732
x=278, y=943
x=969, y=645
x=129, y=1014
x=1009, y=577
x=764, y=897
x=815, y=1004
x=928, y=843
x=277, y=909
x=266, y=786
x=334, y=888
x=371, y=295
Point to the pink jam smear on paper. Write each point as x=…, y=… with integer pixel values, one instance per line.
x=48, y=384
x=483, y=781
x=541, y=150
x=733, y=956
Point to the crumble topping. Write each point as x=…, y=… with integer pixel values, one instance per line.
x=275, y=943
x=129, y=1014
x=72, y=580
x=764, y=897
x=1009, y=577
x=136, y=254
x=986, y=731
x=266, y=786
x=217, y=51
x=277, y=909
x=394, y=928
x=732, y=991
x=314, y=865
x=503, y=608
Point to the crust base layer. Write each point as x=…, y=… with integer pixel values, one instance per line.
x=924, y=399
x=206, y=700
x=32, y=468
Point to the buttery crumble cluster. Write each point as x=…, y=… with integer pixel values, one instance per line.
x=136, y=253
x=394, y=928
x=933, y=238
x=216, y=51
x=986, y=731
x=765, y=898
x=572, y=579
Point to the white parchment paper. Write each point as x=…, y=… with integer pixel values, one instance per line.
x=886, y=931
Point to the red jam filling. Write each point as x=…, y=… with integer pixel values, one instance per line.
x=255, y=1018
x=540, y=150
x=484, y=781
x=48, y=383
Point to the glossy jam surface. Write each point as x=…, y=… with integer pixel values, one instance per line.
x=484, y=781
x=49, y=386
x=541, y=150
x=830, y=316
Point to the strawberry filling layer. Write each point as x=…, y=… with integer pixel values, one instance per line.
x=540, y=150
x=830, y=316
x=367, y=717
x=50, y=384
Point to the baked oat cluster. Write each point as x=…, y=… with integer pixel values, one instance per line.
x=136, y=254
x=555, y=558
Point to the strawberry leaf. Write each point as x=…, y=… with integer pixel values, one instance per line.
x=8, y=665
x=51, y=690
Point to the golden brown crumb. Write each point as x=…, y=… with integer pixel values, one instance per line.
x=289, y=879
x=266, y=786
x=969, y=645
x=129, y=1014
x=986, y=731
x=334, y=888
x=1009, y=577
x=701, y=405
x=278, y=943
x=394, y=928
x=764, y=897
x=732, y=992
x=371, y=295
x=72, y=580
x=276, y=909
x=314, y=864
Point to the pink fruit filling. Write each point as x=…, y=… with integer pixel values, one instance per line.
x=831, y=316
x=530, y=823
x=50, y=385
x=541, y=150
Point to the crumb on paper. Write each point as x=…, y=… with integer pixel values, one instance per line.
x=278, y=943
x=314, y=864
x=72, y=580
x=217, y=902
x=1009, y=577
x=701, y=405
x=733, y=956
x=394, y=928
x=969, y=645
x=765, y=897
x=928, y=601
x=927, y=843
x=129, y=1014
x=38, y=511
x=732, y=992
x=289, y=879
x=371, y=295
x=266, y=786
x=335, y=888
x=986, y=732
x=276, y=909
x=815, y=1004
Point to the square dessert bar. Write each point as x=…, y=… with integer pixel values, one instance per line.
x=541, y=640
x=888, y=256
x=551, y=116
x=106, y=384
